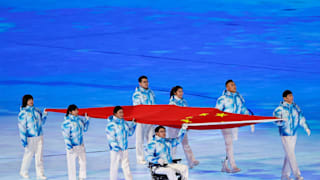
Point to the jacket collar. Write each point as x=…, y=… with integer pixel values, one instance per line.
x=228, y=93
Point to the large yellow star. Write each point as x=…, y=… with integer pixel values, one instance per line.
x=221, y=114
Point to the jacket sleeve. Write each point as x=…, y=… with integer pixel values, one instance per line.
x=176, y=141
x=132, y=127
x=66, y=132
x=43, y=117
x=151, y=154
x=85, y=123
x=136, y=98
x=111, y=135
x=278, y=113
x=220, y=103
x=22, y=124
x=302, y=119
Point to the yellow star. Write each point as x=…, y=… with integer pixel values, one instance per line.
x=189, y=117
x=221, y=114
x=186, y=120
x=203, y=114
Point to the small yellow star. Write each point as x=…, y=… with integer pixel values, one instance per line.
x=186, y=120
x=203, y=114
x=189, y=117
x=221, y=114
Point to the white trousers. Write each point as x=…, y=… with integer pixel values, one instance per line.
x=34, y=147
x=143, y=131
x=80, y=153
x=290, y=162
x=171, y=169
x=173, y=133
x=116, y=158
x=230, y=134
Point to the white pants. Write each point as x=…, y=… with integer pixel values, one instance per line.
x=173, y=133
x=143, y=131
x=116, y=158
x=80, y=153
x=230, y=134
x=171, y=169
x=290, y=162
x=34, y=147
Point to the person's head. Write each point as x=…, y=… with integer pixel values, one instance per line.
x=231, y=86
x=27, y=100
x=177, y=91
x=118, y=112
x=287, y=96
x=143, y=82
x=73, y=110
x=160, y=131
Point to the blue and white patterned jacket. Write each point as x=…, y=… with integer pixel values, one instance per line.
x=232, y=103
x=293, y=116
x=30, y=121
x=73, y=128
x=177, y=101
x=160, y=148
x=118, y=131
x=143, y=96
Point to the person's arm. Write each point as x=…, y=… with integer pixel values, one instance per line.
x=111, y=135
x=278, y=113
x=303, y=122
x=85, y=122
x=132, y=127
x=136, y=98
x=66, y=132
x=44, y=116
x=22, y=124
x=220, y=103
x=176, y=141
x=151, y=155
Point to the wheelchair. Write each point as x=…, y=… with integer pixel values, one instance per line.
x=153, y=167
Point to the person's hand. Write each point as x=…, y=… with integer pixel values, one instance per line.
x=184, y=126
x=45, y=112
x=308, y=132
x=86, y=116
x=133, y=120
x=252, y=128
x=161, y=162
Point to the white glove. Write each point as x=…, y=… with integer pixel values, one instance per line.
x=308, y=132
x=86, y=116
x=45, y=112
x=161, y=162
x=184, y=126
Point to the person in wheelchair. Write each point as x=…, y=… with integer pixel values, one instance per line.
x=158, y=152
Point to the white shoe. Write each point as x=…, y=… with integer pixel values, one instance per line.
x=225, y=167
x=25, y=176
x=286, y=177
x=235, y=170
x=299, y=178
x=41, y=177
x=142, y=162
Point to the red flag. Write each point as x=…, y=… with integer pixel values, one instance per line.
x=175, y=116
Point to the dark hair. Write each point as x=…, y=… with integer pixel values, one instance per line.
x=229, y=81
x=116, y=109
x=158, y=128
x=71, y=107
x=286, y=93
x=25, y=99
x=174, y=90
x=142, y=77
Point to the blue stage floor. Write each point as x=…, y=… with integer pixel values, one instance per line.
x=91, y=54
